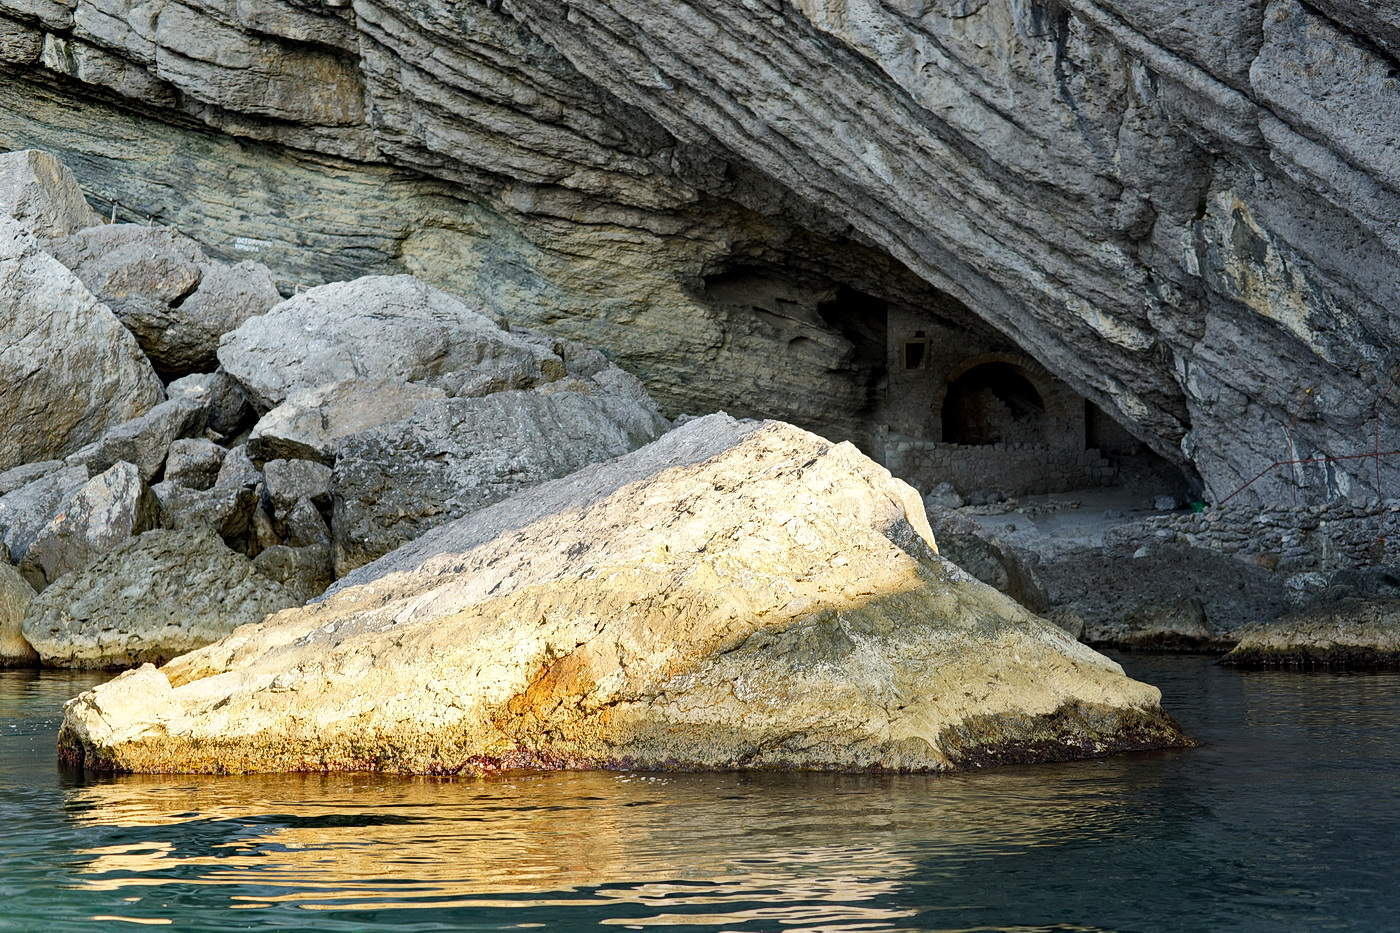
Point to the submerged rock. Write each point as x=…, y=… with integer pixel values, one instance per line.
x=1178, y=626
x=15, y=597
x=1353, y=633
x=149, y=599
x=80, y=370
x=735, y=595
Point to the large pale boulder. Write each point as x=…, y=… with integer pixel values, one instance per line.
x=455, y=456
x=735, y=595
x=68, y=367
x=1351, y=633
x=41, y=194
x=149, y=599
x=108, y=509
x=15, y=597
x=379, y=327
x=160, y=284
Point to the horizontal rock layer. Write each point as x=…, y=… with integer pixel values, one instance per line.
x=1186, y=210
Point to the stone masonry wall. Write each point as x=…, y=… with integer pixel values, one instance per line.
x=1018, y=469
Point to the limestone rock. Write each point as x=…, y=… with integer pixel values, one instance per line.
x=454, y=456
x=304, y=571
x=41, y=194
x=220, y=394
x=378, y=327
x=238, y=470
x=107, y=510
x=80, y=370
x=144, y=441
x=15, y=597
x=194, y=462
x=288, y=481
x=26, y=473
x=736, y=595
x=1353, y=633
x=167, y=292
x=226, y=510
x=25, y=511
x=988, y=558
x=310, y=423
x=305, y=527
x=1177, y=626
x=149, y=599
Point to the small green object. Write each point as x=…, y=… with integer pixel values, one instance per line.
x=1198, y=507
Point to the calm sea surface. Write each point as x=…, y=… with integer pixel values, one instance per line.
x=1288, y=818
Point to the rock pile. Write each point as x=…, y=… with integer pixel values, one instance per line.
x=734, y=595
x=301, y=439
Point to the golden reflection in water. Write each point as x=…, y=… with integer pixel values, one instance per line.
x=762, y=844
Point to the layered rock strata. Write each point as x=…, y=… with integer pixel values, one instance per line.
x=735, y=595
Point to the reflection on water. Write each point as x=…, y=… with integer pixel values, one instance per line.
x=1284, y=819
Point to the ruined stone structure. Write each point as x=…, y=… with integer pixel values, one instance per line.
x=1186, y=212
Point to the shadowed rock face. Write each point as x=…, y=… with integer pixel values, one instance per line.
x=734, y=595
x=1186, y=210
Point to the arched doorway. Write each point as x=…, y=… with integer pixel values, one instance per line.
x=993, y=403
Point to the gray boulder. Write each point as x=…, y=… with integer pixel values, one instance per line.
x=194, y=462
x=25, y=511
x=15, y=597
x=304, y=571
x=144, y=441
x=220, y=394
x=304, y=526
x=378, y=327
x=41, y=194
x=160, y=284
x=1353, y=633
x=310, y=423
x=105, y=511
x=238, y=469
x=455, y=456
x=987, y=557
x=288, y=481
x=80, y=371
x=26, y=473
x=225, y=510
x=1179, y=626
x=148, y=600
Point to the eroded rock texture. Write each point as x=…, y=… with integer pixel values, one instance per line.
x=734, y=596
x=1186, y=210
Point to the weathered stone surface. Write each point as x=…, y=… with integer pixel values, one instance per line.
x=238, y=470
x=310, y=423
x=732, y=596
x=144, y=441
x=1186, y=209
x=304, y=526
x=305, y=571
x=226, y=510
x=194, y=462
x=378, y=327
x=220, y=394
x=26, y=473
x=70, y=369
x=15, y=596
x=41, y=194
x=987, y=558
x=107, y=510
x=1350, y=634
x=1178, y=626
x=25, y=511
x=288, y=481
x=149, y=599
x=452, y=457
x=166, y=291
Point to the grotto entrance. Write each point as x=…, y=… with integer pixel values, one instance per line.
x=993, y=403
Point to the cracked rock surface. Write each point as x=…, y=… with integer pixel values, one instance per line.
x=735, y=595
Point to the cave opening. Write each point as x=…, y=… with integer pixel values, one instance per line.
x=993, y=403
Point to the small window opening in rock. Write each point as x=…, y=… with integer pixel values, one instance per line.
x=915, y=354
x=992, y=404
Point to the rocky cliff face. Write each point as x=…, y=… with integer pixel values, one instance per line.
x=1188, y=211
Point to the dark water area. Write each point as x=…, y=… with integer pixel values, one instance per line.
x=1287, y=818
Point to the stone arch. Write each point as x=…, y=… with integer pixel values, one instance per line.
x=994, y=402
